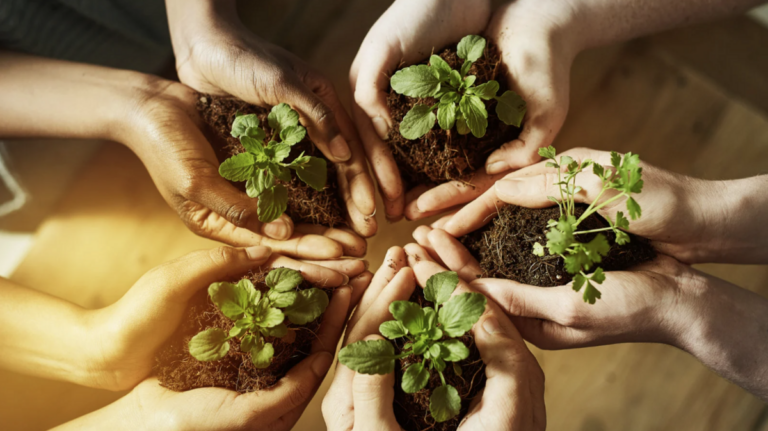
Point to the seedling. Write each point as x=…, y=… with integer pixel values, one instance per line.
x=430, y=333
x=258, y=315
x=460, y=101
x=261, y=165
x=626, y=179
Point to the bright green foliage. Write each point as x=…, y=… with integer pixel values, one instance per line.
x=262, y=163
x=431, y=333
x=625, y=178
x=459, y=100
x=258, y=315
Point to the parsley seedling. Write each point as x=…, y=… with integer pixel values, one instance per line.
x=431, y=333
x=460, y=100
x=258, y=315
x=626, y=179
x=261, y=164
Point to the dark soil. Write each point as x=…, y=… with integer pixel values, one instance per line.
x=444, y=155
x=179, y=371
x=412, y=410
x=305, y=204
x=504, y=247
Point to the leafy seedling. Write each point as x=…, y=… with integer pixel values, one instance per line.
x=625, y=179
x=431, y=333
x=258, y=315
x=459, y=97
x=261, y=165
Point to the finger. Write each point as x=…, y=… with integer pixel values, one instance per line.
x=440, y=223
x=359, y=285
x=517, y=299
x=516, y=154
x=363, y=222
x=416, y=254
x=314, y=274
x=394, y=260
x=352, y=244
x=454, y=255
x=455, y=193
x=421, y=235
x=373, y=396
x=349, y=267
x=334, y=318
x=302, y=246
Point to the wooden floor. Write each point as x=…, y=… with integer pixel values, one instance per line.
x=693, y=101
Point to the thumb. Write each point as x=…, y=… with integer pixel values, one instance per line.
x=536, y=191
x=373, y=395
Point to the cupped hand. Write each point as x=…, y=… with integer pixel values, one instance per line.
x=407, y=32
x=217, y=54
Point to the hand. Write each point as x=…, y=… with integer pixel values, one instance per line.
x=537, y=47
x=407, y=32
x=514, y=394
x=216, y=54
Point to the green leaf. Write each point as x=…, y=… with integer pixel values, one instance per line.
x=236, y=331
x=262, y=357
x=597, y=248
x=511, y=108
x=578, y=282
x=310, y=304
x=280, y=172
x=281, y=151
x=598, y=276
x=459, y=314
x=393, y=329
x=621, y=221
x=621, y=237
x=446, y=115
x=455, y=79
x=314, y=173
x=486, y=91
x=256, y=185
x=271, y=317
x=209, y=345
x=410, y=315
x=471, y=47
x=233, y=299
x=435, y=350
x=239, y=167
x=242, y=123
x=281, y=117
x=538, y=249
x=431, y=317
x=634, y=209
x=473, y=110
x=417, y=122
x=591, y=294
x=439, y=364
x=283, y=279
x=450, y=97
x=469, y=81
x=457, y=369
x=253, y=146
x=415, y=378
x=440, y=287
x=369, y=357
x=292, y=135
x=272, y=203
x=282, y=299
x=443, y=69
x=560, y=237
x=278, y=331
x=456, y=350
x=548, y=152
x=249, y=342
x=615, y=159
x=416, y=81
x=577, y=260
x=445, y=403
x=461, y=126
x=421, y=346
x=598, y=170
x=246, y=323
x=465, y=67
x=434, y=333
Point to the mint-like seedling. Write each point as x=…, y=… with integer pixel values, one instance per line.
x=260, y=165
x=460, y=101
x=430, y=333
x=258, y=315
x=626, y=179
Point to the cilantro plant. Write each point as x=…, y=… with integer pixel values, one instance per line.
x=258, y=315
x=431, y=333
x=460, y=101
x=625, y=179
x=261, y=164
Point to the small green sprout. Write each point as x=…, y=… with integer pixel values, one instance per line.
x=261, y=164
x=460, y=100
x=258, y=315
x=430, y=333
x=626, y=179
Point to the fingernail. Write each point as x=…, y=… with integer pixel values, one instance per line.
x=258, y=252
x=321, y=363
x=381, y=126
x=491, y=326
x=509, y=188
x=345, y=280
x=494, y=168
x=340, y=149
x=277, y=229
x=394, y=219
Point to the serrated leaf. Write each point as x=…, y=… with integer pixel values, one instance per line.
x=282, y=299
x=634, y=209
x=446, y=115
x=461, y=126
x=471, y=47
x=598, y=276
x=486, y=91
x=454, y=350
x=262, y=357
x=445, y=403
x=560, y=236
x=369, y=357
x=443, y=69
x=256, y=185
x=598, y=170
x=239, y=167
x=393, y=329
x=242, y=123
x=615, y=159
x=511, y=109
x=253, y=146
x=293, y=135
x=415, y=378
x=410, y=315
x=280, y=172
x=281, y=117
x=272, y=203
x=283, y=279
x=281, y=151
x=314, y=172
x=591, y=294
x=459, y=314
x=597, y=248
x=577, y=260
x=209, y=345
x=473, y=110
x=548, y=152
x=310, y=304
x=578, y=282
x=232, y=299
x=538, y=249
x=440, y=286
x=416, y=81
x=621, y=237
x=621, y=221
x=270, y=317
x=417, y=122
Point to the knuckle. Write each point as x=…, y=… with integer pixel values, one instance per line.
x=222, y=255
x=298, y=395
x=321, y=115
x=569, y=314
x=240, y=216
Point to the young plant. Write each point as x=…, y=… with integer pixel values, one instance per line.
x=460, y=101
x=260, y=165
x=258, y=315
x=430, y=333
x=625, y=179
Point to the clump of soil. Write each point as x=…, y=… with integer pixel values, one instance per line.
x=179, y=371
x=412, y=410
x=444, y=155
x=504, y=247
x=305, y=204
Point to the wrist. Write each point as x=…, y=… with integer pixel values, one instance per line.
x=553, y=21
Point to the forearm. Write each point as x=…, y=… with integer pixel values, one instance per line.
x=123, y=414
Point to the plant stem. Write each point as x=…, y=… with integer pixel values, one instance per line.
x=593, y=230
x=442, y=378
